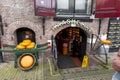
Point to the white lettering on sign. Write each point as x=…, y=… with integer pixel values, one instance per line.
x=73, y=23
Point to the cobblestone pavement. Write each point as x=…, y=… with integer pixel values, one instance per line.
x=8, y=72
x=46, y=71
x=104, y=74
x=93, y=72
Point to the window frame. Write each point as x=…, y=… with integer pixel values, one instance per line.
x=73, y=11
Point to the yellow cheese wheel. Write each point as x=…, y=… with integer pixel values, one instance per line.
x=32, y=43
x=30, y=47
x=27, y=61
x=27, y=41
x=20, y=44
x=20, y=47
x=106, y=41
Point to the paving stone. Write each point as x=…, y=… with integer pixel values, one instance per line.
x=43, y=72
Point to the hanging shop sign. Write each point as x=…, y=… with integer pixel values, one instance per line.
x=44, y=7
x=72, y=23
x=107, y=8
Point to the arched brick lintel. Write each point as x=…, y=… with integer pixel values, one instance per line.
x=58, y=27
x=20, y=24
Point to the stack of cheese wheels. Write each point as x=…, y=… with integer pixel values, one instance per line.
x=28, y=44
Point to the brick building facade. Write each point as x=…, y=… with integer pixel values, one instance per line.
x=17, y=14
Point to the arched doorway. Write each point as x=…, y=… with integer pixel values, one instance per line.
x=71, y=46
x=25, y=33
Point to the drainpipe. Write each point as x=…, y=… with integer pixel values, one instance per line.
x=1, y=56
x=100, y=20
x=43, y=24
x=1, y=30
x=1, y=25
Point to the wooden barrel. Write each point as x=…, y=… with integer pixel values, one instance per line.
x=26, y=61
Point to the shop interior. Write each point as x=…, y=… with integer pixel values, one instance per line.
x=71, y=47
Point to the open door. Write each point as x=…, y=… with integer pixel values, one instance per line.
x=71, y=47
x=54, y=47
x=54, y=51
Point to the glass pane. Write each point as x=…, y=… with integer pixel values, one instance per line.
x=80, y=4
x=62, y=4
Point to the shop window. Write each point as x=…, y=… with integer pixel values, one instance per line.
x=73, y=7
x=62, y=7
x=80, y=6
x=59, y=6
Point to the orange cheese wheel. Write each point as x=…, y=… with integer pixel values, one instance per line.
x=27, y=61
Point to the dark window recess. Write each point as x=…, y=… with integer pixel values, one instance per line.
x=114, y=34
x=44, y=7
x=107, y=8
x=71, y=7
x=25, y=33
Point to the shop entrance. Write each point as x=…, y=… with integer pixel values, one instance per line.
x=71, y=47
